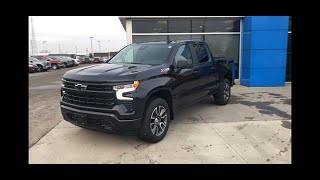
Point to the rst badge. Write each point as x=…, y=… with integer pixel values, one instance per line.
x=165, y=70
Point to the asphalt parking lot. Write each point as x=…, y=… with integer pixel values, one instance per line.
x=255, y=127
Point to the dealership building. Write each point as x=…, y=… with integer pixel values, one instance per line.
x=259, y=45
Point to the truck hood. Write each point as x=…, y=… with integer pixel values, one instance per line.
x=107, y=72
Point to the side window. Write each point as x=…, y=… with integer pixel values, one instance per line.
x=201, y=52
x=183, y=53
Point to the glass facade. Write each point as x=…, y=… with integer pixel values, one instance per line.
x=186, y=25
x=222, y=25
x=225, y=40
x=225, y=45
x=179, y=26
x=185, y=37
x=148, y=38
x=149, y=26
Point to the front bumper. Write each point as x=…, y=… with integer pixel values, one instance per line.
x=99, y=121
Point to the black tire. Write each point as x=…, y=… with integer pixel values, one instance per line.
x=54, y=66
x=223, y=95
x=65, y=65
x=40, y=68
x=145, y=132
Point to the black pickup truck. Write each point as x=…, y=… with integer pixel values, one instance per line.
x=141, y=87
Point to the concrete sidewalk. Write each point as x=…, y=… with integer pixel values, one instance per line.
x=255, y=127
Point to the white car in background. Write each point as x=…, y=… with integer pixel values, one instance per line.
x=105, y=59
x=77, y=61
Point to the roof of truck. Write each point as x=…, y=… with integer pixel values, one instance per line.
x=170, y=42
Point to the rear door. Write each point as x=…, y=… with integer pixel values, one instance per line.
x=204, y=68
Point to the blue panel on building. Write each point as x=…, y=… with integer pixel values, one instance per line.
x=264, y=58
x=264, y=77
x=269, y=23
x=264, y=50
x=269, y=39
x=246, y=40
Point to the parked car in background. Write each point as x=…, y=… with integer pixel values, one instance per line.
x=42, y=65
x=97, y=60
x=87, y=60
x=65, y=62
x=55, y=63
x=105, y=59
x=33, y=67
x=81, y=58
x=75, y=62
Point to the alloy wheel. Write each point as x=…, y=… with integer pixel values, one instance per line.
x=158, y=121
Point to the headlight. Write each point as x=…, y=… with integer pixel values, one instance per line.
x=120, y=89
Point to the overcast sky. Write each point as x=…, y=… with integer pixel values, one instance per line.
x=72, y=31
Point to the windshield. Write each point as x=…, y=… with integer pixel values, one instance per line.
x=153, y=54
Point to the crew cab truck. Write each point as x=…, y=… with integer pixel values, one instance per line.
x=142, y=86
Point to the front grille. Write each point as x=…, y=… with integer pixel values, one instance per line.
x=71, y=85
x=94, y=95
x=99, y=101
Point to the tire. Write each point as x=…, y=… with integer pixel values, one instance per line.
x=223, y=95
x=54, y=66
x=65, y=65
x=152, y=133
x=40, y=68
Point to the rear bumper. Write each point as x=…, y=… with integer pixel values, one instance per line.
x=98, y=121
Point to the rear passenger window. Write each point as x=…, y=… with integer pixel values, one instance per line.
x=201, y=52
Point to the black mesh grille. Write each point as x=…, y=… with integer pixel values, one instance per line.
x=71, y=85
x=99, y=101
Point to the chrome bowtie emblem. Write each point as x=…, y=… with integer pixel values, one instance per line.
x=80, y=86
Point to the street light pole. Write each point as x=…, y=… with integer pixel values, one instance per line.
x=109, y=48
x=99, y=46
x=91, y=46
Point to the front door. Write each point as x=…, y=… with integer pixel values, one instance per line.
x=185, y=79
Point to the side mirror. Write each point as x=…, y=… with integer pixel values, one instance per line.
x=182, y=64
